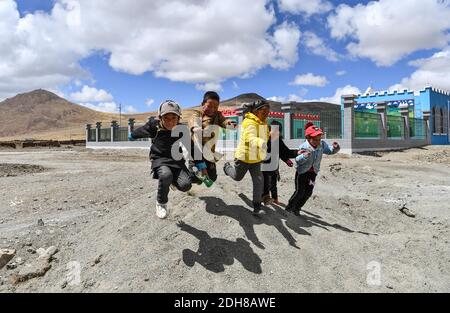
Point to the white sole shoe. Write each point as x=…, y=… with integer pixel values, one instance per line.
x=161, y=210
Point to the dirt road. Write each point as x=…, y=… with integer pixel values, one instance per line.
x=97, y=209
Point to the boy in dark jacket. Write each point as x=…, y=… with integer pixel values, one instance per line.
x=284, y=153
x=164, y=167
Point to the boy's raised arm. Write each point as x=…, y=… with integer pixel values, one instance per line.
x=286, y=153
x=327, y=149
x=149, y=130
x=225, y=122
x=195, y=122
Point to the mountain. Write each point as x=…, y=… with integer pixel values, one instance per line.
x=41, y=114
x=303, y=107
x=244, y=98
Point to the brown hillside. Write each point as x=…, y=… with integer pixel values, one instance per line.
x=307, y=107
x=42, y=115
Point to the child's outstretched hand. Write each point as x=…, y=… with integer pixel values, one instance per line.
x=289, y=163
x=197, y=130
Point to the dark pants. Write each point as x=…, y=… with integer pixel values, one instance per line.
x=166, y=176
x=304, y=186
x=210, y=168
x=270, y=184
x=238, y=171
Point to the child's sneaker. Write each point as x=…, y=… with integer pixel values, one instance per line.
x=225, y=166
x=161, y=210
x=257, y=211
x=295, y=212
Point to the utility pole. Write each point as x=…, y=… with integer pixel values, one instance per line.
x=120, y=114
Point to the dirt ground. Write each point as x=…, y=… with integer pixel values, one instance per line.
x=97, y=209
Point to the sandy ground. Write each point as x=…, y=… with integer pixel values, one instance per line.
x=97, y=209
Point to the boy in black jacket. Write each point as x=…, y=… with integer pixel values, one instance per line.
x=284, y=153
x=164, y=167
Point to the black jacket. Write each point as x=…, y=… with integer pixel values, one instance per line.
x=162, y=142
x=284, y=152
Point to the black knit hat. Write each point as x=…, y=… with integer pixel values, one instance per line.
x=276, y=123
x=259, y=104
x=210, y=95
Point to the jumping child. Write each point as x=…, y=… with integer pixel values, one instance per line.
x=208, y=116
x=165, y=168
x=252, y=150
x=284, y=153
x=308, y=166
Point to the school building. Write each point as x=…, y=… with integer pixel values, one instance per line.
x=429, y=104
x=370, y=122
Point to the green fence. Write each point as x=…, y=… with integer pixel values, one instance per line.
x=105, y=134
x=121, y=134
x=417, y=128
x=367, y=125
x=229, y=134
x=298, y=128
x=331, y=123
x=92, y=135
x=395, y=126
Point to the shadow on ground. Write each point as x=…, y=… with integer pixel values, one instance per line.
x=275, y=216
x=214, y=253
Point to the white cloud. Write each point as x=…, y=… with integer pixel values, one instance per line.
x=235, y=85
x=286, y=40
x=37, y=50
x=433, y=71
x=341, y=73
x=385, y=31
x=91, y=94
x=291, y=97
x=307, y=7
x=186, y=41
x=107, y=107
x=336, y=99
x=149, y=102
x=129, y=109
x=317, y=46
x=310, y=80
x=209, y=87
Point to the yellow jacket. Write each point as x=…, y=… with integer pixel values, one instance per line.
x=252, y=146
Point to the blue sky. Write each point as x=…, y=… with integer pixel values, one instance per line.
x=331, y=47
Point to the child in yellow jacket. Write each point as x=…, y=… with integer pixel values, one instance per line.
x=252, y=150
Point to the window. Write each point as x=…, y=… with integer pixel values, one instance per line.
x=441, y=121
x=434, y=120
x=445, y=121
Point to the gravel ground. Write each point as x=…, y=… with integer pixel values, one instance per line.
x=95, y=211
